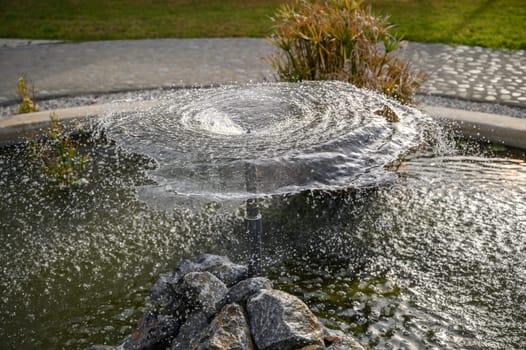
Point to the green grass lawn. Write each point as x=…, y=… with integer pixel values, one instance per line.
x=134, y=19
x=490, y=23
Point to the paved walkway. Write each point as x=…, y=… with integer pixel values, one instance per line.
x=56, y=69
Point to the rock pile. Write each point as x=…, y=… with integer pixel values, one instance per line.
x=210, y=303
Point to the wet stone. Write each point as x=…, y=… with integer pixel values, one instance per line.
x=198, y=292
x=205, y=314
x=229, y=274
x=154, y=331
x=280, y=321
x=190, y=331
x=162, y=293
x=201, y=263
x=337, y=340
x=240, y=292
x=228, y=330
x=220, y=266
x=313, y=347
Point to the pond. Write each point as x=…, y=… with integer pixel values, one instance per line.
x=394, y=232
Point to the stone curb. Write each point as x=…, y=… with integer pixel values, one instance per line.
x=495, y=128
x=17, y=128
x=481, y=126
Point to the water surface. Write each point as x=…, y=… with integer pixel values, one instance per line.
x=431, y=255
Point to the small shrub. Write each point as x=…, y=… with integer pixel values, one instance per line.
x=26, y=104
x=58, y=155
x=340, y=40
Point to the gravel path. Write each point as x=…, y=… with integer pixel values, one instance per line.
x=463, y=77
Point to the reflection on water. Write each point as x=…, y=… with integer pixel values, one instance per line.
x=455, y=242
x=433, y=258
x=442, y=259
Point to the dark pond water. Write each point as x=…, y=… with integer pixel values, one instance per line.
x=432, y=255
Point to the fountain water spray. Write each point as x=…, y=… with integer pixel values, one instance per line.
x=253, y=223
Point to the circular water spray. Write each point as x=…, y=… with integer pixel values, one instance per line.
x=314, y=135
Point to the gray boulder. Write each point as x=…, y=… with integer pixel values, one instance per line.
x=229, y=330
x=162, y=293
x=337, y=340
x=280, y=321
x=201, y=263
x=190, y=331
x=240, y=292
x=220, y=266
x=198, y=292
x=210, y=303
x=154, y=332
x=230, y=274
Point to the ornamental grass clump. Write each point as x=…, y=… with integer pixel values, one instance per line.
x=340, y=40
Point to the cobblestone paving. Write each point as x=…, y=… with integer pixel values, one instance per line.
x=472, y=73
x=55, y=69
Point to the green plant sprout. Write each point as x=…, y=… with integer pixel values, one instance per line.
x=26, y=104
x=58, y=156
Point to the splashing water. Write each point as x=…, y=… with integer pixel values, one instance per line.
x=321, y=135
x=432, y=256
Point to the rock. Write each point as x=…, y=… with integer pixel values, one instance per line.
x=220, y=266
x=162, y=293
x=201, y=263
x=280, y=321
x=337, y=340
x=313, y=347
x=190, y=331
x=229, y=274
x=206, y=314
x=153, y=332
x=240, y=292
x=229, y=330
x=198, y=292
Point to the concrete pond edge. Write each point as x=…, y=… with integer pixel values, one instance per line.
x=17, y=128
x=486, y=127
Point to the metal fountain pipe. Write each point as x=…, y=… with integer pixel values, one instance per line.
x=253, y=223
